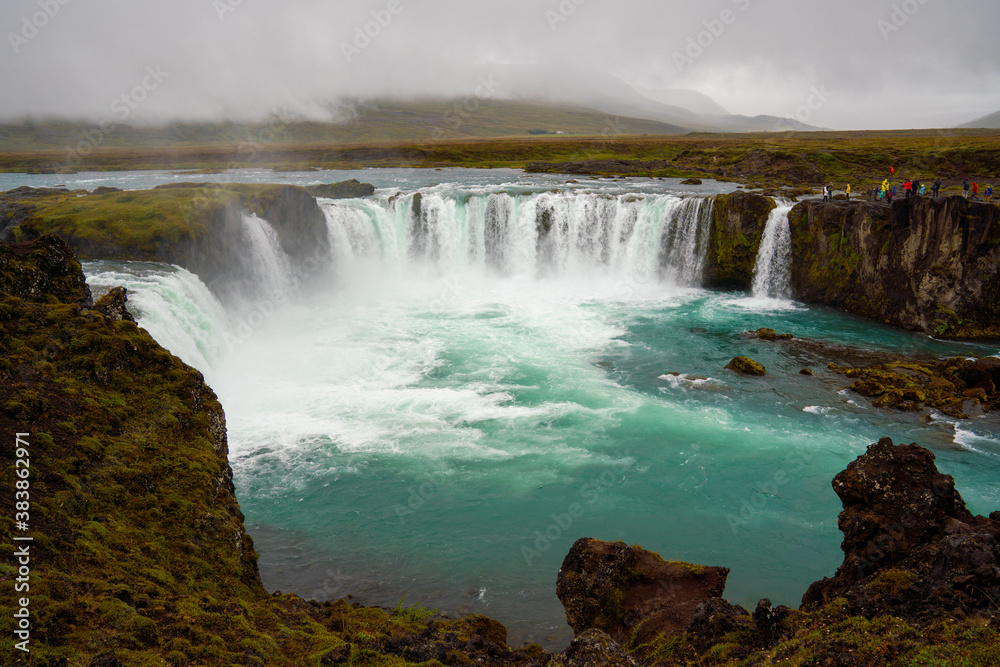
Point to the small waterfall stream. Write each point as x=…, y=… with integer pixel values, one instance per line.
x=773, y=270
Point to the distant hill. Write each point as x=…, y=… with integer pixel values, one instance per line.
x=609, y=94
x=992, y=121
x=367, y=122
x=691, y=100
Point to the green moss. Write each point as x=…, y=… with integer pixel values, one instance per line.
x=892, y=582
x=733, y=250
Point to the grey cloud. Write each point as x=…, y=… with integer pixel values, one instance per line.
x=937, y=64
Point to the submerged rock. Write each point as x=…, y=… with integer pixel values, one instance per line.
x=746, y=366
x=632, y=594
x=765, y=333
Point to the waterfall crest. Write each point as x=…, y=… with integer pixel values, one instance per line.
x=637, y=237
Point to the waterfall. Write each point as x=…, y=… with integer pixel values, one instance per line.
x=264, y=263
x=773, y=270
x=634, y=237
x=172, y=304
x=684, y=243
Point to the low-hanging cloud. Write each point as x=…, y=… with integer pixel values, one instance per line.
x=898, y=63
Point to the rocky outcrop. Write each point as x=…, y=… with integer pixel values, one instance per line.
x=43, y=271
x=351, y=189
x=766, y=333
x=113, y=305
x=737, y=227
x=958, y=387
x=632, y=594
x=911, y=548
x=928, y=265
x=18, y=205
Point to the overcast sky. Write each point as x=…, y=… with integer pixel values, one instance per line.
x=878, y=63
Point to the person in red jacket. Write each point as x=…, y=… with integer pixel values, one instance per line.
x=907, y=189
x=975, y=190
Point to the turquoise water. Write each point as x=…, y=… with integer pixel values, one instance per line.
x=445, y=431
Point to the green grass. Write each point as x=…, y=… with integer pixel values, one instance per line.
x=141, y=223
x=383, y=138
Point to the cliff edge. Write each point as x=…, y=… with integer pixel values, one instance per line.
x=927, y=265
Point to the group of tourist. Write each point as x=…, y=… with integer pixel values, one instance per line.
x=972, y=192
x=887, y=191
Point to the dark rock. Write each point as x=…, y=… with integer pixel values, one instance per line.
x=716, y=618
x=43, y=270
x=911, y=548
x=982, y=374
x=768, y=621
x=338, y=656
x=106, y=659
x=806, y=371
x=351, y=189
x=112, y=305
x=469, y=640
x=105, y=190
x=632, y=594
x=691, y=181
x=746, y=366
x=593, y=648
x=12, y=214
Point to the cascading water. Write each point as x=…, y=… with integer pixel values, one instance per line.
x=528, y=235
x=172, y=304
x=684, y=242
x=265, y=264
x=773, y=270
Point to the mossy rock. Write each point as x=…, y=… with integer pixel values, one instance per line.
x=746, y=366
x=769, y=334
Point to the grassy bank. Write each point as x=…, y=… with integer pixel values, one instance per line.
x=859, y=158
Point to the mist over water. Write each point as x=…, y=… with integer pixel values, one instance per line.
x=488, y=375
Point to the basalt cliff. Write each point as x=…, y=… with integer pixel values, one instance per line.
x=922, y=264
x=928, y=265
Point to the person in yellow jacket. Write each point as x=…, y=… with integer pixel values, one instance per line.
x=848, y=192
